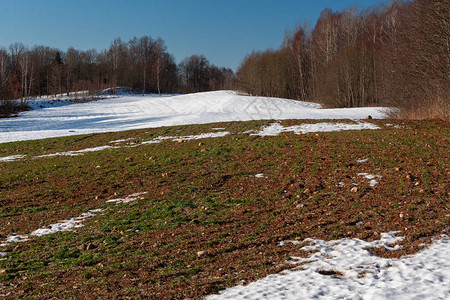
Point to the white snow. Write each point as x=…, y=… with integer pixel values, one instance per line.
x=121, y=141
x=187, y=137
x=77, y=152
x=128, y=198
x=276, y=128
x=66, y=225
x=135, y=112
x=260, y=175
x=361, y=275
x=371, y=177
x=362, y=161
x=11, y=158
x=14, y=239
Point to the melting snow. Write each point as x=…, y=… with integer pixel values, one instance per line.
x=11, y=158
x=371, y=177
x=101, y=148
x=14, y=239
x=121, y=141
x=66, y=225
x=127, y=199
x=276, y=128
x=358, y=273
x=77, y=152
x=187, y=137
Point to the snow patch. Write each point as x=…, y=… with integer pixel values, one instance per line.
x=14, y=239
x=260, y=175
x=371, y=177
x=201, y=136
x=187, y=137
x=275, y=129
x=66, y=225
x=121, y=141
x=11, y=158
x=362, y=161
x=356, y=273
x=77, y=152
x=128, y=198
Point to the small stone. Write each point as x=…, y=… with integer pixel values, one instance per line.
x=129, y=159
x=369, y=117
x=201, y=253
x=203, y=150
x=2, y=271
x=200, y=144
x=401, y=216
x=397, y=169
x=354, y=189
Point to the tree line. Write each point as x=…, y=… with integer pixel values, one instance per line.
x=394, y=54
x=142, y=64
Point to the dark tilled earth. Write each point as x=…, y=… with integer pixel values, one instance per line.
x=206, y=222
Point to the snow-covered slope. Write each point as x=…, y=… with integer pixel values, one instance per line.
x=134, y=112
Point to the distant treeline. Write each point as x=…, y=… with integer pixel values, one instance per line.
x=143, y=64
x=393, y=54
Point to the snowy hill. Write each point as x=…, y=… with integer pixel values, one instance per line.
x=135, y=112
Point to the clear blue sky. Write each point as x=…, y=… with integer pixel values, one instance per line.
x=224, y=31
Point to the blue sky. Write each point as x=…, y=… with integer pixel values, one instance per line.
x=224, y=31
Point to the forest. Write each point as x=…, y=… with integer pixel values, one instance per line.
x=395, y=54
x=142, y=64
